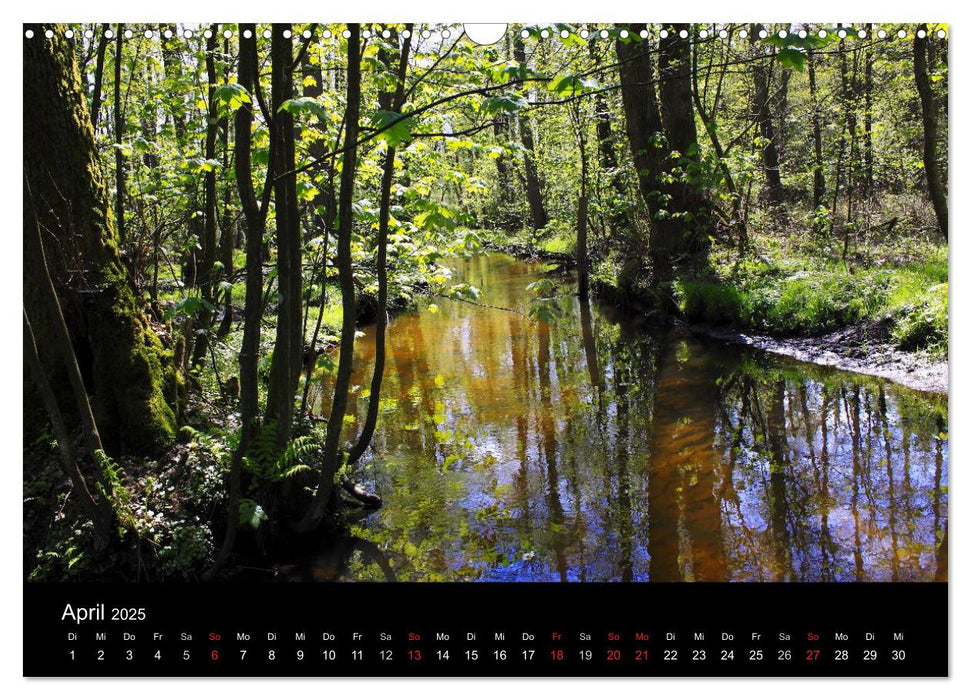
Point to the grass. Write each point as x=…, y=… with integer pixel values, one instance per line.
x=787, y=291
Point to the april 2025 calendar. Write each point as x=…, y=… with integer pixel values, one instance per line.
x=400, y=349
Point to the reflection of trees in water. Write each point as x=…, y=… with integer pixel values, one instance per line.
x=590, y=449
x=339, y=554
x=829, y=472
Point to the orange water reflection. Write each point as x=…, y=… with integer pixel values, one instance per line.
x=592, y=448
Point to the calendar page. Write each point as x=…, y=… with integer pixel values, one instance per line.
x=417, y=349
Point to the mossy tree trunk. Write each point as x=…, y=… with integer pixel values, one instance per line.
x=126, y=370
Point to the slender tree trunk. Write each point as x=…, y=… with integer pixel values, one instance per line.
x=707, y=120
x=763, y=112
x=819, y=177
x=928, y=108
x=99, y=74
x=255, y=220
x=119, y=138
x=227, y=241
x=207, y=261
x=609, y=163
x=534, y=189
x=868, y=116
x=506, y=200
x=331, y=457
x=323, y=211
x=125, y=368
x=394, y=103
x=849, y=95
x=583, y=272
x=288, y=349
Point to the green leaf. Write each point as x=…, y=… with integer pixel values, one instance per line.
x=189, y=306
x=251, y=513
x=393, y=129
x=791, y=58
x=567, y=85
x=229, y=98
x=509, y=103
x=304, y=105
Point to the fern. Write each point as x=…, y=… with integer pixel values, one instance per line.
x=113, y=491
x=267, y=461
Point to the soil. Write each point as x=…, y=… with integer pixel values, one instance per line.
x=864, y=348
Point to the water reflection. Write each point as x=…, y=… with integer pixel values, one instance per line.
x=590, y=448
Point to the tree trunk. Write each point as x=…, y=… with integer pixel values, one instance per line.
x=928, y=108
x=207, y=260
x=506, y=201
x=643, y=119
x=288, y=349
x=119, y=138
x=763, y=113
x=124, y=366
x=255, y=217
x=99, y=74
x=868, y=117
x=393, y=103
x=331, y=457
x=819, y=177
x=678, y=118
x=607, y=151
x=534, y=189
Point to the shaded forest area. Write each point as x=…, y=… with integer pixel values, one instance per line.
x=211, y=213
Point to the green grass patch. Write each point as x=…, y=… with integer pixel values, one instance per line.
x=791, y=294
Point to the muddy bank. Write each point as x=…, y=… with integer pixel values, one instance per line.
x=861, y=349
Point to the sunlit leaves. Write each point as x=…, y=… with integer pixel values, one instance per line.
x=508, y=103
x=510, y=71
x=392, y=128
x=306, y=192
x=229, y=98
x=792, y=48
x=304, y=105
x=435, y=216
x=568, y=85
x=190, y=306
x=464, y=291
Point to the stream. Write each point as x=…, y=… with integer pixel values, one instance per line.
x=596, y=448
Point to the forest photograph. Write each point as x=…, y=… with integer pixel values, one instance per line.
x=377, y=302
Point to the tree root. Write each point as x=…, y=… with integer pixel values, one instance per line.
x=366, y=498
